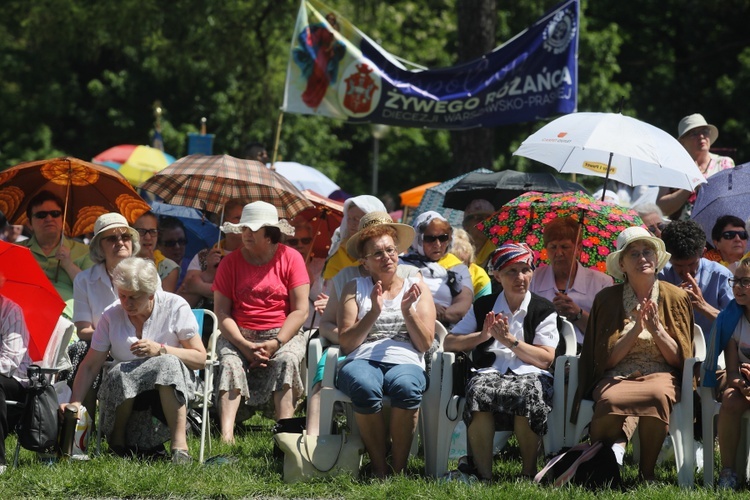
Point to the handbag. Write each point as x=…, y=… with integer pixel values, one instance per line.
x=306, y=457
x=38, y=428
x=592, y=466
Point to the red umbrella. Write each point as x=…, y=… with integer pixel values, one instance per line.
x=324, y=218
x=28, y=286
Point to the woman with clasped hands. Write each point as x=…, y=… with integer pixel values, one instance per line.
x=639, y=333
x=153, y=337
x=513, y=337
x=261, y=300
x=386, y=324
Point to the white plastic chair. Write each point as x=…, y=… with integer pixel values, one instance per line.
x=449, y=409
x=330, y=395
x=709, y=411
x=680, y=420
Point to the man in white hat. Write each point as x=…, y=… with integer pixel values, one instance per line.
x=697, y=136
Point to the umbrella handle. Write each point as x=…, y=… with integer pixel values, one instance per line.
x=578, y=240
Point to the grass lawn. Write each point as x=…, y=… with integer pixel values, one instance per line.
x=256, y=474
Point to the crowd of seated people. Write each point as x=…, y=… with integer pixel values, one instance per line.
x=378, y=295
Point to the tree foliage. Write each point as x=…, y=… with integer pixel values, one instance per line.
x=80, y=76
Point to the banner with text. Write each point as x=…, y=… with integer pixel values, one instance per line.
x=335, y=70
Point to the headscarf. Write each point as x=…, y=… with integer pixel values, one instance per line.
x=367, y=204
x=418, y=259
x=420, y=226
x=511, y=253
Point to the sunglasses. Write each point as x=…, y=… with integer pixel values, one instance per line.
x=173, y=243
x=296, y=241
x=704, y=131
x=43, y=214
x=114, y=238
x=740, y=282
x=660, y=226
x=432, y=238
x=730, y=235
x=144, y=232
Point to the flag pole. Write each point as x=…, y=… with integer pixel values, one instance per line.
x=276, y=141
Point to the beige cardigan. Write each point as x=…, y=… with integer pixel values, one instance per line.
x=607, y=318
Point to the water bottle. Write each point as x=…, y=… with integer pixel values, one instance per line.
x=70, y=419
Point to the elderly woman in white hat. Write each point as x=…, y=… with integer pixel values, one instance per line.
x=697, y=136
x=113, y=241
x=639, y=333
x=386, y=324
x=261, y=300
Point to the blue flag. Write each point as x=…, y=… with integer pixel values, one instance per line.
x=335, y=70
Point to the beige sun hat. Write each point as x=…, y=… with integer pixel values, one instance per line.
x=694, y=121
x=404, y=232
x=627, y=237
x=111, y=221
x=256, y=215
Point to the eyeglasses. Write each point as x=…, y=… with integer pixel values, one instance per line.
x=114, y=238
x=173, y=243
x=647, y=254
x=432, y=238
x=293, y=242
x=730, y=235
x=43, y=214
x=660, y=226
x=740, y=282
x=144, y=232
x=382, y=254
x=704, y=131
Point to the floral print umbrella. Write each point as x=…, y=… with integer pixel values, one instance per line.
x=523, y=220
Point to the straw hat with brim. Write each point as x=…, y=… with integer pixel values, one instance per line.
x=111, y=221
x=404, y=233
x=256, y=215
x=694, y=121
x=627, y=237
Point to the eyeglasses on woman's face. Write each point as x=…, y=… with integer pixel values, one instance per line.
x=740, y=282
x=147, y=232
x=432, y=238
x=386, y=253
x=730, y=235
x=696, y=132
x=115, y=238
x=646, y=253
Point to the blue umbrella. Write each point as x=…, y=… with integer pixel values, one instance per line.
x=202, y=233
x=725, y=193
x=433, y=199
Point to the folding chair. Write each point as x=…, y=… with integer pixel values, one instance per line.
x=211, y=363
x=55, y=360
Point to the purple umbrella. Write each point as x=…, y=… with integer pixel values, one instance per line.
x=726, y=193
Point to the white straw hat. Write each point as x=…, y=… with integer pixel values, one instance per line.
x=627, y=237
x=256, y=215
x=111, y=221
x=694, y=121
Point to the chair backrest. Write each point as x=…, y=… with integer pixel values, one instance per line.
x=56, y=354
x=699, y=343
x=568, y=333
x=440, y=333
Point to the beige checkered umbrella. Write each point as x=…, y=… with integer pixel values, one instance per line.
x=208, y=182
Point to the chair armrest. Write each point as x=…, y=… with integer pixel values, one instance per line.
x=329, y=372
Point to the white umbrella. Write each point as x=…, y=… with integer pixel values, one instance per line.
x=635, y=152
x=304, y=177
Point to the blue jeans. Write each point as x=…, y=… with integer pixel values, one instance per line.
x=366, y=382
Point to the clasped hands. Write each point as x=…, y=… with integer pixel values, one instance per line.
x=742, y=384
x=496, y=326
x=258, y=353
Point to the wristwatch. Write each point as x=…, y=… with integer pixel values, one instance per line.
x=514, y=344
x=277, y=339
x=577, y=316
x=162, y=349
